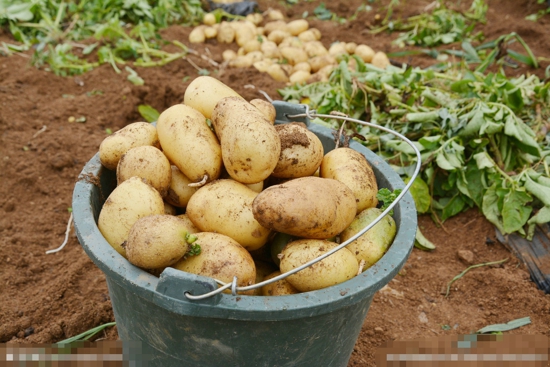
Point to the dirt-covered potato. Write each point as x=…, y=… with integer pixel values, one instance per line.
x=352, y=168
x=221, y=258
x=250, y=144
x=179, y=191
x=133, y=135
x=266, y=108
x=157, y=241
x=279, y=288
x=169, y=209
x=146, y=162
x=380, y=59
x=263, y=269
x=189, y=143
x=301, y=151
x=204, y=92
x=225, y=206
x=308, y=207
x=131, y=200
x=365, y=52
x=372, y=245
x=334, y=269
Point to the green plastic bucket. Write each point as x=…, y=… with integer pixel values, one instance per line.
x=318, y=328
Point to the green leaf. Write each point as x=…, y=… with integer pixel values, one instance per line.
x=421, y=194
x=134, y=77
x=422, y=242
x=483, y=160
x=453, y=207
x=443, y=163
x=490, y=208
x=523, y=138
x=541, y=192
x=148, y=113
x=542, y=216
x=515, y=212
x=514, y=324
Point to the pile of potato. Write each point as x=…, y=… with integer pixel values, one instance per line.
x=216, y=189
x=289, y=52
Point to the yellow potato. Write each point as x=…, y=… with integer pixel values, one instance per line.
x=337, y=49
x=229, y=55
x=156, y=241
x=262, y=65
x=209, y=19
x=197, y=35
x=252, y=45
x=299, y=77
x=350, y=47
x=270, y=50
x=146, y=162
x=364, y=52
x=273, y=14
x=204, y=92
x=241, y=62
x=249, y=142
x=277, y=72
x=226, y=33
x=332, y=270
x=302, y=66
x=301, y=151
x=210, y=32
x=221, y=258
x=278, y=36
x=352, y=169
x=295, y=27
x=263, y=269
x=372, y=245
x=133, y=135
x=279, y=288
x=266, y=108
x=380, y=60
x=294, y=55
x=131, y=200
x=291, y=42
x=191, y=228
x=225, y=206
x=179, y=191
x=275, y=25
x=319, y=62
x=169, y=209
x=189, y=144
x=315, y=49
x=308, y=207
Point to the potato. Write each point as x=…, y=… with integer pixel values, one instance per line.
x=179, y=191
x=221, y=258
x=350, y=47
x=255, y=18
x=279, y=288
x=209, y=19
x=244, y=35
x=252, y=45
x=278, y=36
x=301, y=151
x=189, y=144
x=364, y=52
x=291, y=42
x=133, y=135
x=372, y=245
x=255, y=56
x=294, y=55
x=315, y=49
x=156, y=241
x=131, y=200
x=146, y=162
x=266, y=108
x=302, y=66
x=277, y=72
x=295, y=27
x=210, y=32
x=204, y=92
x=225, y=206
x=263, y=65
x=249, y=142
x=256, y=187
x=352, y=169
x=275, y=25
x=299, y=77
x=241, y=62
x=270, y=50
x=197, y=35
x=169, y=209
x=334, y=269
x=307, y=36
x=191, y=228
x=226, y=33
x=319, y=62
x=337, y=49
x=273, y=14
x=308, y=207
x=229, y=55
x=380, y=60
x=263, y=269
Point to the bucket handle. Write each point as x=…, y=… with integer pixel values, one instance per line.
x=311, y=114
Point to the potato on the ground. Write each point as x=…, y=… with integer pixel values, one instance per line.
x=301, y=151
x=250, y=144
x=334, y=269
x=364, y=52
x=204, y=92
x=221, y=258
x=131, y=200
x=352, y=168
x=225, y=206
x=179, y=191
x=134, y=135
x=189, y=143
x=157, y=241
x=308, y=207
x=295, y=27
x=373, y=244
x=380, y=59
x=146, y=162
x=279, y=288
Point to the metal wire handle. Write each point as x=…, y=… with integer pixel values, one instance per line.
x=311, y=115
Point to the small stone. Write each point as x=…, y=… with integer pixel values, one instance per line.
x=379, y=330
x=29, y=331
x=423, y=318
x=466, y=256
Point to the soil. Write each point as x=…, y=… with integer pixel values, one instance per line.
x=46, y=298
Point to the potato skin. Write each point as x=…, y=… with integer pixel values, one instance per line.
x=179, y=192
x=307, y=207
x=131, y=200
x=250, y=144
x=267, y=109
x=204, y=92
x=301, y=151
x=279, y=288
x=372, y=245
x=146, y=162
x=352, y=168
x=334, y=269
x=221, y=258
x=189, y=143
x=225, y=206
x=156, y=241
x=133, y=135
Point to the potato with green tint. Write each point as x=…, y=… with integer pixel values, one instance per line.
x=307, y=207
x=131, y=136
x=131, y=200
x=146, y=162
x=189, y=143
x=225, y=206
x=372, y=245
x=332, y=270
x=157, y=241
x=352, y=169
x=220, y=258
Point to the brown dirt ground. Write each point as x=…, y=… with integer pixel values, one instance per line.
x=47, y=298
